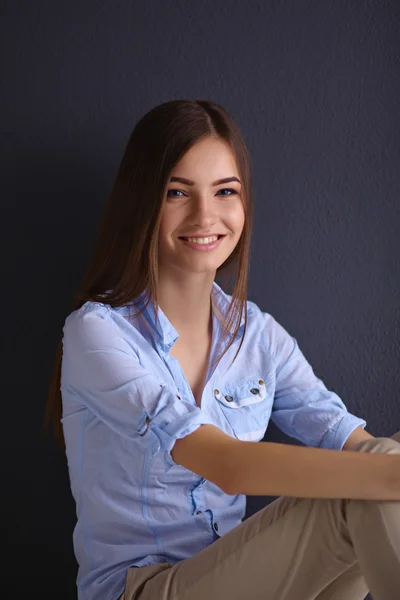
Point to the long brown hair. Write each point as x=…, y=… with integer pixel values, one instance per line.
x=124, y=263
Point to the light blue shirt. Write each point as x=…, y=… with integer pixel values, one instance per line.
x=126, y=401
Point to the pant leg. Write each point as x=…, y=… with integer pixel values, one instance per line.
x=351, y=578
x=293, y=549
x=374, y=528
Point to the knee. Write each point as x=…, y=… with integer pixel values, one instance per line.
x=387, y=445
x=396, y=437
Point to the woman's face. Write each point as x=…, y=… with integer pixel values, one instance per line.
x=200, y=207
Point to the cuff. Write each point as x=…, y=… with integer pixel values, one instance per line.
x=338, y=434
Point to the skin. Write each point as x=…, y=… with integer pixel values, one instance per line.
x=356, y=436
x=185, y=275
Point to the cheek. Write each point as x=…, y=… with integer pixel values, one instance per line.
x=238, y=219
x=166, y=224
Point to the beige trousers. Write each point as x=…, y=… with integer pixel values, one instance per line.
x=293, y=549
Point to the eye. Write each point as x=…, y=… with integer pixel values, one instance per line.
x=231, y=190
x=228, y=190
x=174, y=191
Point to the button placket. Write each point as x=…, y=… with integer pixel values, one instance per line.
x=146, y=424
x=198, y=497
x=179, y=378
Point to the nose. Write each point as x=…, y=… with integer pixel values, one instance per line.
x=204, y=212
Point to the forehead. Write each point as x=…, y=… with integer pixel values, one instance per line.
x=210, y=158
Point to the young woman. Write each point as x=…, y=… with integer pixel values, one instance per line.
x=163, y=381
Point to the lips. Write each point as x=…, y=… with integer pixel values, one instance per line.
x=201, y=247
x=184, y=237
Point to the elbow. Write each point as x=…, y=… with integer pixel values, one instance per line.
x=228, y=485
x=222, y=477
x=230, y=474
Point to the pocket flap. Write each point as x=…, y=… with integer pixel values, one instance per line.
x=242, y=393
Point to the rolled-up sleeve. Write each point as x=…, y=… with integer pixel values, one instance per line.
x=303, y=407
x=101, y=372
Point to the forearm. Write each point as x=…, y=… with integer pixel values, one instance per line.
x=272, y=469
x=356, y=436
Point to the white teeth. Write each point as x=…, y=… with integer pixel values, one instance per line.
x=207, y=240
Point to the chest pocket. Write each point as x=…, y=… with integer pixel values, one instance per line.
x=247, y=405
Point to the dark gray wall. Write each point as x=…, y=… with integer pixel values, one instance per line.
x=315, y=87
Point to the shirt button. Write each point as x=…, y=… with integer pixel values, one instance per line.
x=147, y=426
x=228, y=398
x=260, y=382
x=254, y=390
x=198, y=512
x=216, y=526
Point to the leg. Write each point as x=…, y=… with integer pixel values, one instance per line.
x=293, y=549
x=374, y=528
x=350, y=584
x=353, y=575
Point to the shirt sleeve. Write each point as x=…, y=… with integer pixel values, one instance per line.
x=101, y=371
x=303, y=407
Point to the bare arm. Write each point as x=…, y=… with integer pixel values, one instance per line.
x=206, y=451
x=273, y=469
x=356, y=436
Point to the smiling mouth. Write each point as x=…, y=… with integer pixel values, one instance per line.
x=182, y=237
x=203, y=246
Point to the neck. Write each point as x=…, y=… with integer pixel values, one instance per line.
x=187, y=304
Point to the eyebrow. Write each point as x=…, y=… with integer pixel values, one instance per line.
x=218, y=182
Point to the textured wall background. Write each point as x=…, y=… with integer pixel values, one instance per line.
x=315, y=87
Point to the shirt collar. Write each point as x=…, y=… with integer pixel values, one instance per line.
x=166, y=332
